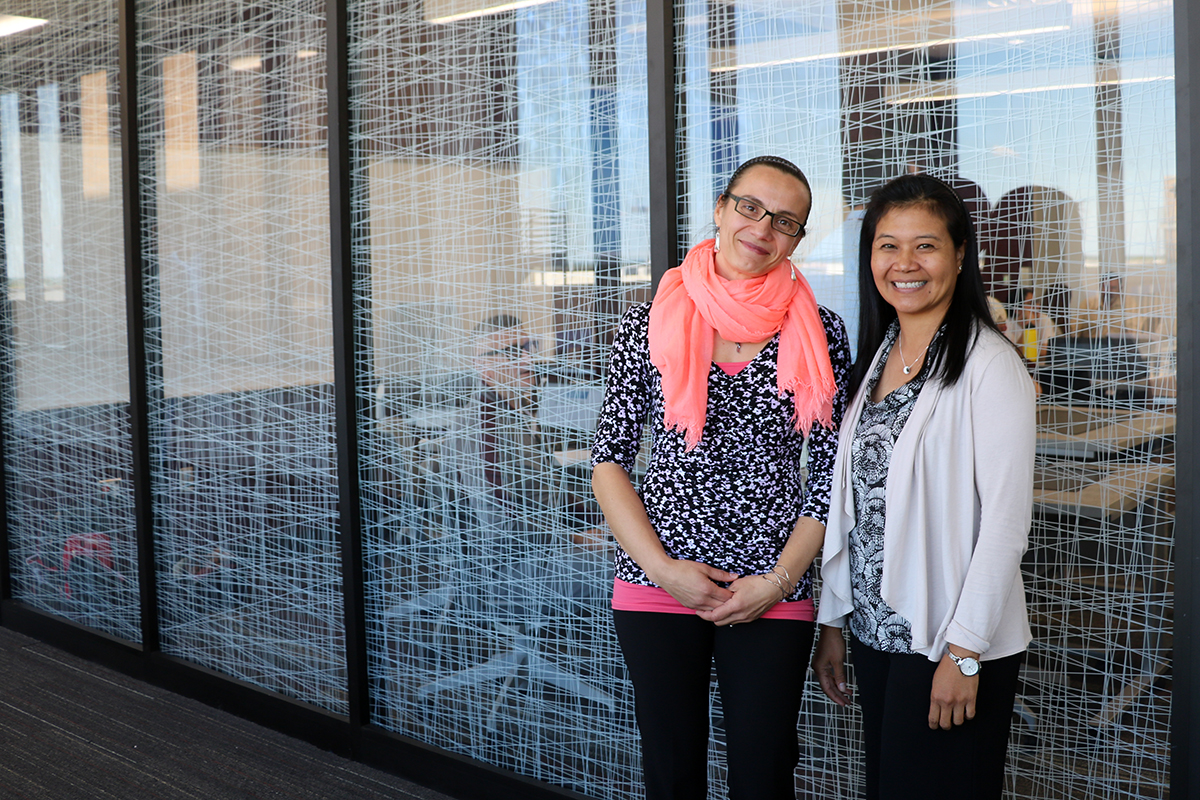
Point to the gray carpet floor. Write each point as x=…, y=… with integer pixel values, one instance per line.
x=70, y=729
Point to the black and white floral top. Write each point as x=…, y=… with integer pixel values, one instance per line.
x=733, y=500
x=874, y=622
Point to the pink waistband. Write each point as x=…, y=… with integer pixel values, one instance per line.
x=631, y=597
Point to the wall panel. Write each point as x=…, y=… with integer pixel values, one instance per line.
x=245, y=486
x=1054, y=121
x=502, y=173
x=67, y=451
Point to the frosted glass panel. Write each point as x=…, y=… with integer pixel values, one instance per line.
x=1055, y=122
x=503, y=176
x=67, y=451
x=245, y=487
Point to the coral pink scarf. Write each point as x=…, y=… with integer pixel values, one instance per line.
x=693, y=300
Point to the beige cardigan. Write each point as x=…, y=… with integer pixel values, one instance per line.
x=959, y=506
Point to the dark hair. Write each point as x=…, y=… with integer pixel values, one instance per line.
x=498, y=322
x=781, y=164
x=968, y=311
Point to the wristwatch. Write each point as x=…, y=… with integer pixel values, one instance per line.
x=966, y=665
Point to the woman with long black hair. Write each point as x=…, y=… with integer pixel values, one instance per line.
x=931, y=505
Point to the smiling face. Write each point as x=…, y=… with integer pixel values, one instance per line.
x=751, y=248
x=915, y=263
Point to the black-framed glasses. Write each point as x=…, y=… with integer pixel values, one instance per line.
x=752, y=210
x=514, y=351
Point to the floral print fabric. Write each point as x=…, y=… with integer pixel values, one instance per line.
x=874, y=622
x=733, y=500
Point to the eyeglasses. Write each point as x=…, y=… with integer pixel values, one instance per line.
x=752, y=210
x=514, y=351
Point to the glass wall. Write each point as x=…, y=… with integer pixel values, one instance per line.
x=1055, y=122
x=245, y=492
x=501, y=168
x=500, y=193
x=66, y=396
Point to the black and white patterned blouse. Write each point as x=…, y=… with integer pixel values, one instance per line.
x=733, y=500
x=874, y=622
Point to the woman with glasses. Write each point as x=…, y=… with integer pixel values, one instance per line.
x=932, y=501
x=735, y=367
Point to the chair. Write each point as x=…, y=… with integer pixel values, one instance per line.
x=517, y=570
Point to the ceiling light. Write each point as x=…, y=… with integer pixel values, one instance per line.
x=472, y=13
x=931, y=98
x=886, y=48
x=245, y=63
x=10, y=24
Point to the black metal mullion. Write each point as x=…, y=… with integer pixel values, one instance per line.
x=664, y=109
x=350, y=339
x=142, y=317
x=1185, y=694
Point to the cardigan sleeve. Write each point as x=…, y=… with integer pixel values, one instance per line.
x=1003, y=428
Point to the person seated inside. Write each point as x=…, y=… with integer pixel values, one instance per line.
x=507, y=472
x=511, y=483
x=1011, y=330
x=1036, y=326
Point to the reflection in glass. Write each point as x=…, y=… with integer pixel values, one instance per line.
x=245, y=488
x=14, y=205
x=506, y=190
x=93, y=118
x=66, y=452
x=50, y=184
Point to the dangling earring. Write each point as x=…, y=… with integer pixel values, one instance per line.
x=717, y=246
x=793, y=266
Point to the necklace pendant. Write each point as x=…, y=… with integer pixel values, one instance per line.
x=907, y=370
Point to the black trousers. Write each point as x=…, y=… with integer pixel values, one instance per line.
x=904, y=757
x=760, y=674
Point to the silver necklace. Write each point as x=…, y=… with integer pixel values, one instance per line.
x=908, y=368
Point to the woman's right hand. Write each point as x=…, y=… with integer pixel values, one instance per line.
x=693, y=584
x=829, y=664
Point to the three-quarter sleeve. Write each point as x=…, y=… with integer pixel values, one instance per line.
x=822, y=441
x=626, y=394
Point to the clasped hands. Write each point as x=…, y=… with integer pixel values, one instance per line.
x=697, y=586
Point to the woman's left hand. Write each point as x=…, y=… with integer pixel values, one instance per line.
x=752, y=596
x=952, y=700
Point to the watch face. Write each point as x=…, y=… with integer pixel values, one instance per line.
x=968, y=666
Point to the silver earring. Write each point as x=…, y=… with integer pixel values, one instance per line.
x=717, y=246
x=793, y=266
